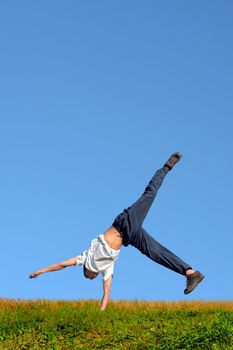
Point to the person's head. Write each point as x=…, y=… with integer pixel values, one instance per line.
x=89, y=274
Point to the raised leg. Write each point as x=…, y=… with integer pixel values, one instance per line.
x=138, y=211
x=131, y=219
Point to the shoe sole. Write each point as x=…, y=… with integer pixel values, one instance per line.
x=200, y=279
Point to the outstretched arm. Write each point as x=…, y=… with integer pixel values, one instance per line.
x=107, y=288
x=59, y=266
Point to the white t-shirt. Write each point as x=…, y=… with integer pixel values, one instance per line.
x=99, y=257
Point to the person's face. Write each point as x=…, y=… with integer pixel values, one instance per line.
x=90, y=274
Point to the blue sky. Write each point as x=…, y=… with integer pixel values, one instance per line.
x=94, y=97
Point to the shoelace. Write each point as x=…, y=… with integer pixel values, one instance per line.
x=188, y=279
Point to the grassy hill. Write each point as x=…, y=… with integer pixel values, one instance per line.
x=61, y=325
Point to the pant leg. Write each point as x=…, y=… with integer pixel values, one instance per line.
x=138, y=211
x=155, y=251
x=131, y=219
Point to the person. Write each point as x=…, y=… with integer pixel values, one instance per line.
x=127, y=230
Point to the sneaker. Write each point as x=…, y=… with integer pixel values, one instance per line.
x=192, y=281
x=175, y=157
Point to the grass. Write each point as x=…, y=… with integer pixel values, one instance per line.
x=63, y=325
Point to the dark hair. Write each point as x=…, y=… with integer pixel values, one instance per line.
x=85, y=271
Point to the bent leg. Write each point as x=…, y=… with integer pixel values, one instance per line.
x=155, y=251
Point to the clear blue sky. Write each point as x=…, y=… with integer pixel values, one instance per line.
x=94, y=97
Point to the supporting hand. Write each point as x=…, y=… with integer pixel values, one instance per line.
x=105, y=299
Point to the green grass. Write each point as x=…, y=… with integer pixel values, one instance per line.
x=62, y=325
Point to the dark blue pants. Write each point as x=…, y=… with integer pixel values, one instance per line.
x=129, y=225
